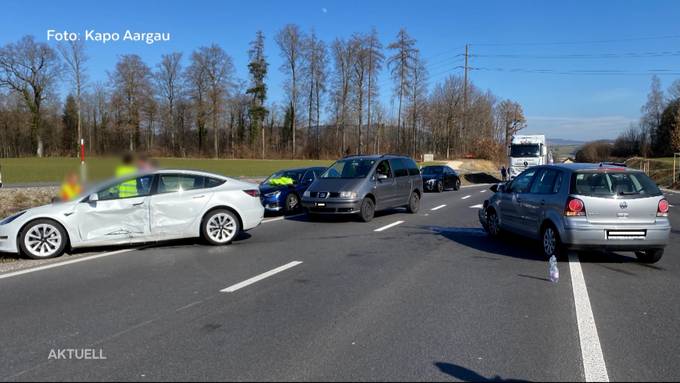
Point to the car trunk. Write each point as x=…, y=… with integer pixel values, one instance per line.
x=620, y=211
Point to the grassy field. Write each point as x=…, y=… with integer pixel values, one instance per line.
x=53, y=169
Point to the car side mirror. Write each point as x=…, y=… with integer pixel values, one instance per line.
x=382, y=177
x=94, y=197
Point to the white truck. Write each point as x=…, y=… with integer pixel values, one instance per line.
x=526, y=151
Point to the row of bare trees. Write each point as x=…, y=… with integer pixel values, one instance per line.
x=196, y=106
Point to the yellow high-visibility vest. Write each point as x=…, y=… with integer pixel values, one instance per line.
x=128, y=188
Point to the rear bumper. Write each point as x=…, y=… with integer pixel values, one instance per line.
x=326, y=206
x=580, y=235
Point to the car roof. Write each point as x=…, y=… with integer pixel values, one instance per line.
x=591, y=166
x=300, y=169
x=375, y=156
x=184, y=171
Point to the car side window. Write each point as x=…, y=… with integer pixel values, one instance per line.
x=413, y=169
x=213, y=182
x=400, y=169
x=308, y=177
x=130, y=188
x=522, y=182
x=558, y=183
x=168, y=183
x=384, y=169
x=544, y=182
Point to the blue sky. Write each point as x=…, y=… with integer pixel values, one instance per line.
x=622, y=36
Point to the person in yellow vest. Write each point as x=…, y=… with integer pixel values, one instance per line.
x=128, y=188
x=70, y=188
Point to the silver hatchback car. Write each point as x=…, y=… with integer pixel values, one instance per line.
x=580, y=207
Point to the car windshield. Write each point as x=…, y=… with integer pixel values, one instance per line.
x=350, y=168
x=525, y=150
x=432, y=170
x=285, y=176
x=613, y=184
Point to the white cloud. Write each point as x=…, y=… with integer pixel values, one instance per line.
x=579, y=128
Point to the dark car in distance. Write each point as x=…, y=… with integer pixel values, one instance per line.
x=365, y=184
x=438, y=178
x=282, y=191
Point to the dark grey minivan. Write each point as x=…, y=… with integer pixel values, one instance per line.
x=365, y=184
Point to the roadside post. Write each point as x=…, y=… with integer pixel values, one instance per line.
x=675, y=174
x=83, y=173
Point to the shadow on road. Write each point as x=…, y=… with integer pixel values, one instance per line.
x=338, y=218
x=467, y=375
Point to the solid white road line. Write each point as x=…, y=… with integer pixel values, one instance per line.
x=389, y=226
x=59, y=264
x=281, y=218
x=438, y=207
x=466, y=197
x=591, y=351
x=478, y=206
x=260, y=277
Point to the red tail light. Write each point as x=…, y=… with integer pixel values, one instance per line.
x=663, y=208
x=575, y=208
x=253, y=193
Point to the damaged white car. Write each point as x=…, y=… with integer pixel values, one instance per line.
x=156, y=206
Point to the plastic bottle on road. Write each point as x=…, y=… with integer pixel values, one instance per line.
x=553, y=271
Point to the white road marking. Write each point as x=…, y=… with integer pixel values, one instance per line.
x=389, y=226
x=478, y=206
x=281, y=218
x=591, y=351
x=60, y=264
x=438, y=207
x=466, y=197
x=483, y=191
x=260, y=277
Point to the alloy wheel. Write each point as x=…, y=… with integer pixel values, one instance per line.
x=43, y=240
x=221, y=228
x=549, y=241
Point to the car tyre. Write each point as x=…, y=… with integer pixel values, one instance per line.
x=413, y=203
x=43, y=239
x=367, y=211
x=649, y=256
x=551, y=242
x=220, y=227
x=440, y=186
x=493, y=224
x=457, y=184
x=292, y=203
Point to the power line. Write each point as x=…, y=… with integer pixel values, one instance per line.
x=583, y=56
x=582, y=42
x=582, y=72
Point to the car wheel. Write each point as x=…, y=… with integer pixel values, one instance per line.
x=42, y=239
x=413, y=203
x=552, y=245
x=649, y=256
x=457, y=185
x=493, y=224
x=367, y=210
x=220, y=227
x=292, y=203
x=440, y=186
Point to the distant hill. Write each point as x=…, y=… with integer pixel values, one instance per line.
x=564, y=142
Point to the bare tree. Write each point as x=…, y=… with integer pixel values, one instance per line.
x=169, y=87
x=418, y=94
x=343, y=57
x=258, y=89
x=359, y=83
x=289, y=40
x=511, y=117
x=30, y=69
x=197, y=80
x=375, y=58
x=73, y=53
x=652, y=112
x=401, y=68
x=132, y=85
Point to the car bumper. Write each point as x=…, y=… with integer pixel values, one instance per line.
x=326, y=206
x=8, y=243
x=252, y=217
x=430, y=185
x=579, y=234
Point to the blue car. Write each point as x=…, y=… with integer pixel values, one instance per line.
x=438, y=178
x=282, y=191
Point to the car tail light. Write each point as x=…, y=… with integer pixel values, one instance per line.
x=575, y=208
x=253, y=193
x=662, y=211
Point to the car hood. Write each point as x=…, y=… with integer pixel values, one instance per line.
x=336, y=184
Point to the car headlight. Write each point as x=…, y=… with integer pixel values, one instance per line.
x=348, y=194
x=11, y=218
x=275, y=194
x=306, y=194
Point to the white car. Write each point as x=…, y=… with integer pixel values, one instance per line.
x=156, y=206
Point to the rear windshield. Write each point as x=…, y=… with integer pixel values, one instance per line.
x=614, y=184
x=350, y=168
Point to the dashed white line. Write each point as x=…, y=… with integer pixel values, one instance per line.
x=591, y=351
x=389, y=226
x=260, y=277
x=281, y=218
x=466, y=197
x=478, y=206
x=483, y=191
x=438, y=207
x=59, y=264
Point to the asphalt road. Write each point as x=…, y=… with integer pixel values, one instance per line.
x=431, y=298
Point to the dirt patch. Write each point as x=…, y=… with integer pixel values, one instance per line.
x=476, y=171
x=15, y=200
